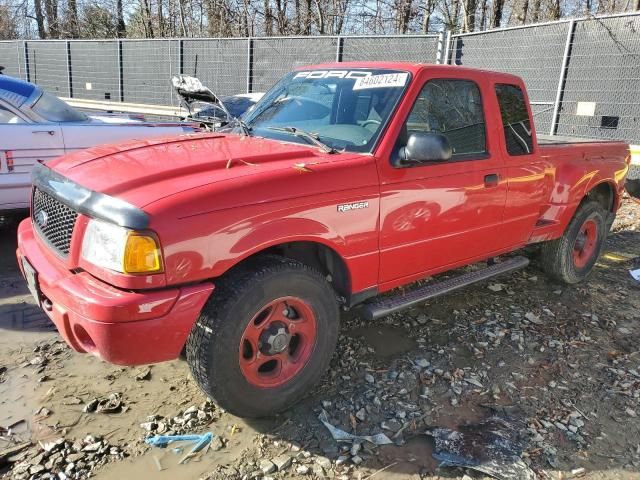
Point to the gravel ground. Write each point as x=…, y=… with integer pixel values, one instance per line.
x=557, y=368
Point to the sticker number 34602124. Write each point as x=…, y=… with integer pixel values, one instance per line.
x=384, y=80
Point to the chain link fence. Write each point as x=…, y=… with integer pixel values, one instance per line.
x=533, y=53
x=603, y=80
x=583, y=76
x=139, y=71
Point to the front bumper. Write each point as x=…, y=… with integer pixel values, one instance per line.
x=121, y=326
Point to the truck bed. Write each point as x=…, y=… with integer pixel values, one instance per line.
x=563, y=140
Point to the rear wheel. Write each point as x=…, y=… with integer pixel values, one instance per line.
x=571, y=257
x=265, y=337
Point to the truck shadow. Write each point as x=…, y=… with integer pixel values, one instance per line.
x=24, y=317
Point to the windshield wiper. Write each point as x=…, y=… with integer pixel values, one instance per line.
x=313, y=138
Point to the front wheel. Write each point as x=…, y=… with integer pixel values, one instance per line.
x=265, y=337
x=571, y=257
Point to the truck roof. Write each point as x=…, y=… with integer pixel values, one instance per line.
x=413, y=68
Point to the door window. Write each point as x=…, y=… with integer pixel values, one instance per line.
x=452, y=108
x=515, y=119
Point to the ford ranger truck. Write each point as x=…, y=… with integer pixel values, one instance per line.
x=345, y=181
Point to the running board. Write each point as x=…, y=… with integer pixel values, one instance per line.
x=387, y=305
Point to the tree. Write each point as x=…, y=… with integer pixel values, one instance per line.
x=121, y=30
x=42, y=32
x=51, y=11
x=535, y=14
x=71, y=27
x=498, y=6
x=469, y=15
x=8, y=24
x=98, y=22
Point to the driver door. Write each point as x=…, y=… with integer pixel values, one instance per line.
x=437, y=215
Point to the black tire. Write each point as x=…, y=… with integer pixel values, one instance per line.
x=557, y=256
x=633, y=187
x=212, y=348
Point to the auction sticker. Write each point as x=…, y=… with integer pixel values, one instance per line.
x=384, y=80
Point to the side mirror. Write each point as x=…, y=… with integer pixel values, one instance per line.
x=425, y=147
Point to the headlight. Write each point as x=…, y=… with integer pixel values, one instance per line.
x=117, y=248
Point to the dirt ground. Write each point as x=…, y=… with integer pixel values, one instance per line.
x=560, y=364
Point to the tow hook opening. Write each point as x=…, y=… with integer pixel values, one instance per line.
x=47, y=304
x=84, y=339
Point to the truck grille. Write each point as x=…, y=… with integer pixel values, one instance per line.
x=54, y=220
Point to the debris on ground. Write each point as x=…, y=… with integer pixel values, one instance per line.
x=199, y=441
x=143, y=374
x=7, y=453
x=111, y=404
x=188, y=420
x=493, y=446
x=342, y=436
x=64, y=459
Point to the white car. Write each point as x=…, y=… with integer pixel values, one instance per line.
x=36, y=126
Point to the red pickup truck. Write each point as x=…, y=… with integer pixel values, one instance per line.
x=345, y=181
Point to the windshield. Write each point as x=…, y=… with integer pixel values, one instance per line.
x=344, y=109
x=52, y=109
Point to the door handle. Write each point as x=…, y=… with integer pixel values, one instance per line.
x=491, y=180
x=48, y=132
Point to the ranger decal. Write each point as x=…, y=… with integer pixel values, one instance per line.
x=345, y=207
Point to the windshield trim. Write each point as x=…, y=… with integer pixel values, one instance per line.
x=384, y=126
x=392, y=113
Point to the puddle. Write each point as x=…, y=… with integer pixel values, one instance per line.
x=18, y=398
x=19, y=401
x=145, y=466
x=385, y=340
x=414, y=457
x=461, y=415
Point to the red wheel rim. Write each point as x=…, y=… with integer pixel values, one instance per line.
x=585, y=245
x=278, y=342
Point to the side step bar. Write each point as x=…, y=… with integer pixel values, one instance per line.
x=387, y=305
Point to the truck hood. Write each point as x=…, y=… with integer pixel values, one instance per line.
x=143, y=172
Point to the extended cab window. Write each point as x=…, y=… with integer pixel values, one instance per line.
x=452, y=108
x=515, y=119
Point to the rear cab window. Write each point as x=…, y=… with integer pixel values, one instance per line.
x=515, y=119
